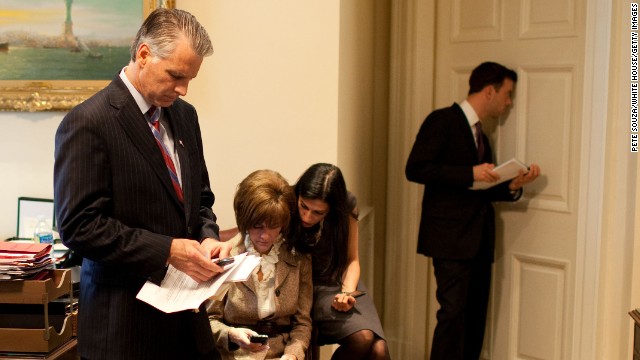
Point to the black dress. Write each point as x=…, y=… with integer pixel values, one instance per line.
x=335, y=325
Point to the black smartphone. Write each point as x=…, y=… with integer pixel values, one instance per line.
x=225, y=261
x=357, y=293
x=259, y=339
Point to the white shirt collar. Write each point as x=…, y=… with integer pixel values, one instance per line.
x=142, y=103
x=469, y=112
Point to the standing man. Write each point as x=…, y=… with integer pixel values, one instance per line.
x=132, y=195
x=457, y=226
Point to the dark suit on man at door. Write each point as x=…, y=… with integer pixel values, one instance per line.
x=457, y=228
x=116, y=207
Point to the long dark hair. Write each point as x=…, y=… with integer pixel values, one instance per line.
x=325, y=182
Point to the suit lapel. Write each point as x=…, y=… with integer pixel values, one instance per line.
x=467, y=134
x=137, y=129
x=285, y=264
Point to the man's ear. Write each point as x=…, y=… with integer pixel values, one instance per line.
x=143, y=54
x=488, y=91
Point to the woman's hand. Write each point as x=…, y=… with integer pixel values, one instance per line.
x=343, y=302
x=241, y=336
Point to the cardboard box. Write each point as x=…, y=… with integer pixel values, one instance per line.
x=30, y=322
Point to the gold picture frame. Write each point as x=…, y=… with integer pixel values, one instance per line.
x=58, y=95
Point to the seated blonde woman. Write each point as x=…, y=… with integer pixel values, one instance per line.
x=276, y=300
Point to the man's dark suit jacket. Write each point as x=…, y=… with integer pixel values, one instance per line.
x=456, y=223
x=116, y=207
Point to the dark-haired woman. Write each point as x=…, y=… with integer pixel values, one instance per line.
x=326, y=226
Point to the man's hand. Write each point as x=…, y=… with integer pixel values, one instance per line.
x=484, y=172
x=525, y=178
x=216, y=249
x=190, y=257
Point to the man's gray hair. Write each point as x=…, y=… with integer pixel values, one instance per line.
x=163, y=27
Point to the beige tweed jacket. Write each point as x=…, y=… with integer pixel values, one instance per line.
x=294, y=297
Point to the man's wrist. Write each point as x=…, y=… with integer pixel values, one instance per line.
x=171, y=251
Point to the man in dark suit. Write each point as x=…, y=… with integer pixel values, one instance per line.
x=457, y=227
x=132, y=195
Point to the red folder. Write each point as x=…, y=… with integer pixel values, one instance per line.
x=10, y=249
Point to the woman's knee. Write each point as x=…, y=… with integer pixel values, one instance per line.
x=363, y=337
x=379, y=350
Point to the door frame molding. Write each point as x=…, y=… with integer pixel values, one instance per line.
x=410, y=98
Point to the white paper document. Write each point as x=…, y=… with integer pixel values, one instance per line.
x=507, y=171
x=179, y=292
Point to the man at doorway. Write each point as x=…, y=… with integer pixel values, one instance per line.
x=457, y=226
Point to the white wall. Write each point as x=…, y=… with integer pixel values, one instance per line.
x=268, y=96
x=619, y=290
x=363, y=115
x=355, y=107
x=26, y=162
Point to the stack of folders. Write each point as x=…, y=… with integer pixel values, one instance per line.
x=24, y=261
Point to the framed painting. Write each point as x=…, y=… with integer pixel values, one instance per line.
x=54, y=54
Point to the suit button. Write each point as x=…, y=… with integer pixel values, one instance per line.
x=278, y=292
x=189, y=230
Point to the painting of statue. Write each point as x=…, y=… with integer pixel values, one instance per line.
x=54, y=54
x=66, y=39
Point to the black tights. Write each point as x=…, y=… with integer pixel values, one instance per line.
x=362, y=345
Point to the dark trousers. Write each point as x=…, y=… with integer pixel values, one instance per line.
x=463, y=295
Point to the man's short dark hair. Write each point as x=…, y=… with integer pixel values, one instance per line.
x=489, y=73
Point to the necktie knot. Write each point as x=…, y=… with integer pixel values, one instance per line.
x=153, y=115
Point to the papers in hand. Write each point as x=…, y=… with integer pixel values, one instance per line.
x=507, y=171
x=179, y=292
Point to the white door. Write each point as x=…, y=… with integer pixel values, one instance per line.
x=530, y=314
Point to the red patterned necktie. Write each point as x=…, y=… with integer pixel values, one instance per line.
x=479, y=140
x=153, y=116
